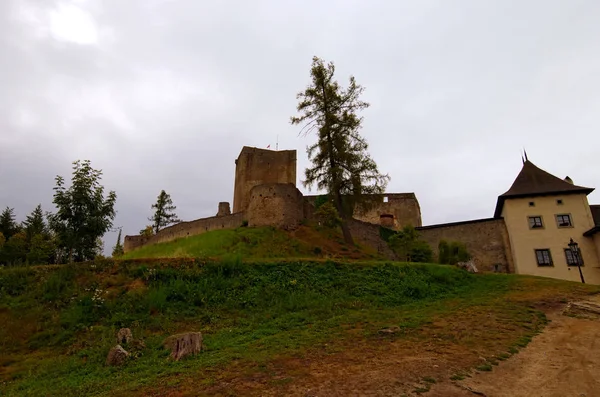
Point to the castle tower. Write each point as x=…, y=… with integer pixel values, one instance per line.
x=255, y=167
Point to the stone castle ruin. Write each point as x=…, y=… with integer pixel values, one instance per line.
x=265, y=194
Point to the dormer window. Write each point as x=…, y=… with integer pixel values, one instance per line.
x=564, y=220
x=535, y=222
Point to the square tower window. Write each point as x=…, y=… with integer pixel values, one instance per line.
x=385, y=199
x=543, y=257
x=564, y=220
x=535, y=222
x=531, y=204
x=559, y=202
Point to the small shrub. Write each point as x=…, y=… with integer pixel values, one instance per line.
x=317, y=251
x=484, y=367
x=244, y=223
x=328, y=215
x=450, y=253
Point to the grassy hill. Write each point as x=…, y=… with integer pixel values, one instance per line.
x=262, y=242
x=58, y=322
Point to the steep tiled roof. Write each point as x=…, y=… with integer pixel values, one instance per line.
x=533, y=181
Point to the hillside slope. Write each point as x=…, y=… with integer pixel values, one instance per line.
x=261, y=242
x=265, y=325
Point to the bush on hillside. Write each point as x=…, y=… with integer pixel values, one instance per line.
x=406, y=244
x=328, y=216
x=450, y=253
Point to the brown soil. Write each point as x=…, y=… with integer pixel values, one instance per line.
x=562, y=361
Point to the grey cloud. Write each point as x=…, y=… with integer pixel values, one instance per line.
x=172, y=90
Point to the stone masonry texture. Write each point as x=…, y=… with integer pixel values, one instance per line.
x=486, y=240
x=255, y=167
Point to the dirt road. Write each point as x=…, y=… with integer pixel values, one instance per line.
x=563, y=361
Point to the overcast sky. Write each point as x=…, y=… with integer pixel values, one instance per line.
x=164, y=94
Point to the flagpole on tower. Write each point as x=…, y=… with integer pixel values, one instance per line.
x=277, y=143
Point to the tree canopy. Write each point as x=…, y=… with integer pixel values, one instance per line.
x=84, y=215
x=164, y=214
x=341, y=164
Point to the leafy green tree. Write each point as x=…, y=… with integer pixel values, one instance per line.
x=41, y=249
x=14, y=251
x=409, y=248
x=341, y=164
x=450, y=253
x=84, y=215
x=328, y=216
x=148, y=231
x=8, y=224
x=118, y=248
x=164, y=214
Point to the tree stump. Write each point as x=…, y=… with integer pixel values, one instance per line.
x=183, y=345
x=116, y=356
x=124, y=336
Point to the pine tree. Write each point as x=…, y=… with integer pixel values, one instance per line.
x=8, y=225
x=35, y=224
x=118, y=248
x=163, y=214
x=341, y=164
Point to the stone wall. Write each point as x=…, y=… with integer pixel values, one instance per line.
x=369, y=235
x=255, y=167
x=185, y=229
x=404, y=207
x=486, y=240
x=275, y=204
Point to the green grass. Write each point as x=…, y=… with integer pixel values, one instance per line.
x=58, y=323
x=263, y=242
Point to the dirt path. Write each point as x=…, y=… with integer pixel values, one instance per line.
x=563, y=361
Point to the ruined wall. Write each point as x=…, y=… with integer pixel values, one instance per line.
x=275, y=204
x=255, y=167
x=186, y=229
x=486, y=240
x=368, y=234
x=132, y=242
x=404, y=207
x=224, y=209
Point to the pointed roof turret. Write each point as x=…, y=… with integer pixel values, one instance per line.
x=533, y=181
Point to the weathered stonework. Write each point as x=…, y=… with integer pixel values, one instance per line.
x=224, y=209
x=275, y=204
x=185, y=229
x=403, y=207
x=255, y=167
x=486, y=240
x=265, y=194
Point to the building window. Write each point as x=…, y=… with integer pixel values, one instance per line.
x=531, y=204
x=385, y=199
x=535, y=222
x=559, y=202
x=571, y=260
x=543, y=257
x=564, y=220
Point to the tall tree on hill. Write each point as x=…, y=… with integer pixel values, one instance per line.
x=163, y=214
x=341, y=164
x=84, y=214
x=118, y=248
x=35, y=224
x=8, y=225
